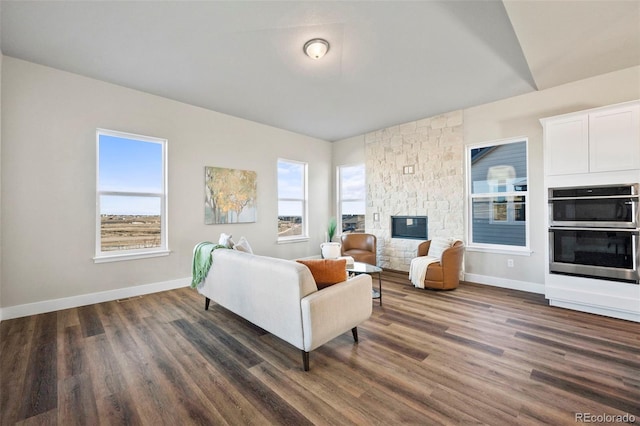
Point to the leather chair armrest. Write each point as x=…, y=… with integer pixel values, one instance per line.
x=423, y=248
x=452, y=257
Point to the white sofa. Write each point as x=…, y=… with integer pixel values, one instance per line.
x=281, y=297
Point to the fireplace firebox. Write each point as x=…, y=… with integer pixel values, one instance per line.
x=411, y=227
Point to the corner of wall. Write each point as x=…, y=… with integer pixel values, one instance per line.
x=1, y=186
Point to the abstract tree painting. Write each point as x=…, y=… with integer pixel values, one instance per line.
x=229, y=196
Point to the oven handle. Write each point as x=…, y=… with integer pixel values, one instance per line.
x=571, y=228
x=632, y=198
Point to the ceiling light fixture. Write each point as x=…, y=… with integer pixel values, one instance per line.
x=316, y=48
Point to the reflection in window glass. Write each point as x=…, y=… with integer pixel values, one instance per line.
x=498, y=190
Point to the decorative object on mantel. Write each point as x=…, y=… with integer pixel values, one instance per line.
x=229, y=196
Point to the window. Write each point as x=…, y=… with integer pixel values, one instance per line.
x=292, y=200
x=351, y=198
x=131, y=202
x=497, y=188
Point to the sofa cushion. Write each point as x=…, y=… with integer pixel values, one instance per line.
x=326, y=272
x=243, y=245
x=226, y=240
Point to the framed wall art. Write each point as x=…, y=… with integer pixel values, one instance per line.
x=229, y=196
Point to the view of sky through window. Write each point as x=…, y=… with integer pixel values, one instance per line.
x=352, y=187
x=129, y=166
x=290, y=185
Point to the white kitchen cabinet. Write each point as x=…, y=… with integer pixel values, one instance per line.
x=600, y=140
x=566, y=142
x=614, y=139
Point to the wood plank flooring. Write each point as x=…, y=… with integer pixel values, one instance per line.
x=476, y=355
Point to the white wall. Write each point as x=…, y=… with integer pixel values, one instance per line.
x=1, y=57
x=48, y=168
x=349, y=151
x=519, y=116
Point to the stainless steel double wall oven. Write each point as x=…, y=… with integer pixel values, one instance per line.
x=594, y=232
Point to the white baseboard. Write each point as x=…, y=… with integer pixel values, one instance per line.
x=607, y=312
x=27, y=309
x=505, y=283
x=122, y=293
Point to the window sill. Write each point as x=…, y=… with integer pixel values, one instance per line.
x=293, y=240
x=130, y=256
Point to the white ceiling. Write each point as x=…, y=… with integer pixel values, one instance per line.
x=390, y=62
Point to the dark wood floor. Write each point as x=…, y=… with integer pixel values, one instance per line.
x=476, y=355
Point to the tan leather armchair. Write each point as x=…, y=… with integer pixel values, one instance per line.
x=362, y=247
x=443, y=275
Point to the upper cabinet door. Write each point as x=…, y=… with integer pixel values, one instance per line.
x=614, y=139
x=566, y=145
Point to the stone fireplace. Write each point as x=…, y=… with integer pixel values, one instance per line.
x=415, y=169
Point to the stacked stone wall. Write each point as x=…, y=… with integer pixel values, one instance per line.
x=434, y=147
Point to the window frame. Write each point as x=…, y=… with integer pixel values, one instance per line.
x=511, y=209
x=131, y=254
x=304, y=201
x=340, y=200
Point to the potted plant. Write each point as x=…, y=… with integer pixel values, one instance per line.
x=331, y=250
x=331, y=229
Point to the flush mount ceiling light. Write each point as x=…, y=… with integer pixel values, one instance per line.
x=316, y=48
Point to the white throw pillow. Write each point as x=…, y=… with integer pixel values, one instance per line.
x=225, y=240
x=438, y=246
x=243, y=245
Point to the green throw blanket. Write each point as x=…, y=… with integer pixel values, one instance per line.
x=202, y=261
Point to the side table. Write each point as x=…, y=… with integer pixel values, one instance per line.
x=364, y=268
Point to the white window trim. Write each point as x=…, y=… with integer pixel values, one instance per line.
x=340, y=200
x=496, y=248
x=163, y=250
x=305, y=204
